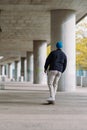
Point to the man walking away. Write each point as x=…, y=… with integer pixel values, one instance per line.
x=55, y=64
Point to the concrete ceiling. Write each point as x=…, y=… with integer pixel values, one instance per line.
x=23, y=21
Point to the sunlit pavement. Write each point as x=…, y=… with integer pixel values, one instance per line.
x=25, y=108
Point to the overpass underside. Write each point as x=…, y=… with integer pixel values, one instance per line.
x=27, y=27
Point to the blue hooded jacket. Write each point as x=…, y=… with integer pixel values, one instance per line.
x=56, y=60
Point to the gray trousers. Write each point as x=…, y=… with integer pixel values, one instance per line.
x=53, y=78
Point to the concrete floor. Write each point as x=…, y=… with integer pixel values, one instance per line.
x=26, y=109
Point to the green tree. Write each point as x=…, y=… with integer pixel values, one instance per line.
x=81, y=45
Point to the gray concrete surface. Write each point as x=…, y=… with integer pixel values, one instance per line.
x=26, y=109
x=22, y=21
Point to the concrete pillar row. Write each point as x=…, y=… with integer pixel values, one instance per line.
x=39, y=48
x=63, y=29
x=29, y=66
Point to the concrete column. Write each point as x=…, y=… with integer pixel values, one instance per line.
x=0, y=69
x=0, y=72
x=3, y=70
x=39, y=48
x=12, y=71
x=30, y=66
x=9, y=70
x=22, y=68
x=19, y=70
x=6, y=70
x=63, y=29
x=15, y=70
x=25, y=69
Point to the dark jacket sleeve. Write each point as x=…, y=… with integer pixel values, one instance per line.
x=48, y=60
x=65, y=64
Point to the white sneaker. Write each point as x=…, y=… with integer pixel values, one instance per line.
x=51, y=100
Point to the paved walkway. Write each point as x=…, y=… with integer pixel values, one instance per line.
x=26, y=109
